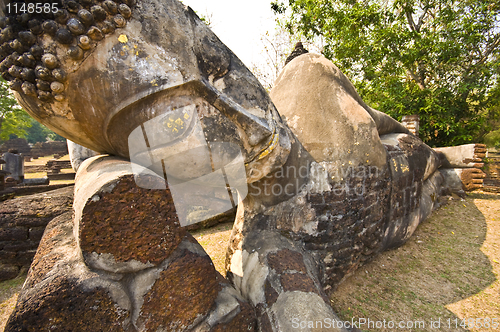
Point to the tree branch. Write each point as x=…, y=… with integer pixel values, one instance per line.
x=409, y=17
x=484, y=56
x=414, y=76
x=421, y=19
x=490, y=49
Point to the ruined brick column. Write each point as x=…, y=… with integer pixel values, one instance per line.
x=412, y=123
x=3, y=174
x=14, y=164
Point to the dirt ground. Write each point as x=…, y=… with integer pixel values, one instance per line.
x=448, y=272
x=446, y=275
x=9, y=290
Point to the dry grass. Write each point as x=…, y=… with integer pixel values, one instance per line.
x=62, y=182
x=40, y=161
x=9, y=290
x=35, y=175
x=43, y=161
x=448, y=270
x=215, y=241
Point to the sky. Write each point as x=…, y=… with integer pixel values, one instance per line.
x=238, y=24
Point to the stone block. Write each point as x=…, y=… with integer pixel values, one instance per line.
x=8, y=272
x=35, y=234
x=14, y=164
x=20, y=246
x=184, y=293
x=30, y=222
x=13, y=234
x=25, y=258
x=297, y=282
x=7, y=257
x=121, y=226
x=286, y=260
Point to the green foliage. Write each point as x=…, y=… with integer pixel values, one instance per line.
x=55, y=137
x=37, y=132
x=15, y=122
x=13, y=119
x=493, y=139
x=435, y=58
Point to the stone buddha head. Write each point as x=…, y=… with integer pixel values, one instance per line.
x=97, y=72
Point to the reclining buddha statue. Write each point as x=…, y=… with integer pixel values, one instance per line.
x=182, y=132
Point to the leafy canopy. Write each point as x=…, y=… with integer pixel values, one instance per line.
x=15, y=122
x=13, y=119
x=435, y=58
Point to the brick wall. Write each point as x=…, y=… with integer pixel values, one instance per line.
x=22, y=223
x=19, y=144
x=49, y=148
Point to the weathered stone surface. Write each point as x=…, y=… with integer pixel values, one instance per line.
x=78, y=154
x=459, y=179
x=49, y=148
x=270, y=293
x=343, y=227
x=112, y=223
x=244, y=321
x=492, y=170
x=22, y=223
x=19, y=144
x=154, y=297
x=61, y=294
x=304, y=307
x=8, y=271
x=67, y=305
x=164, y=47
x=13, y=234
x=264, y=322
x=359, y=195
x=34, y=210
x=286, y=260
x=14, y=164
x=190, y=279
x=324, y=111
x=297, y=282
x=461, y=166
x=123, y=227
x=36, y=182
x=412, y=123
x=472, y=178
x=64, y=294
x=463, y=156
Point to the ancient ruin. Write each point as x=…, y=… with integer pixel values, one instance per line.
x=3, y=174
x=19, y=144
x=49, y=148
x=14, y=165
x=328, y=182
x=22, y=223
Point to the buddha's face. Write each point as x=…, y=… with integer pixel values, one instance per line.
x=97, y=73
